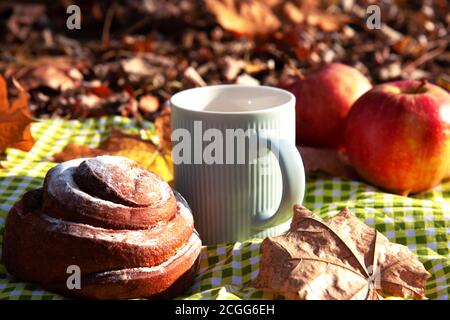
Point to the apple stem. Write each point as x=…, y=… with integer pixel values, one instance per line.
x=422, y=84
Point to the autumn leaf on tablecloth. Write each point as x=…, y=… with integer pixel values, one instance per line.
x=15, y=120
x=123, y=144
x=338, y=258
x=329, y=161
x=249, y=17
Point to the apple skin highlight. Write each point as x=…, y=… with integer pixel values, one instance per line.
x=397, y=136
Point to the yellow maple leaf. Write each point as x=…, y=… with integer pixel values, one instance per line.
x=119, y=143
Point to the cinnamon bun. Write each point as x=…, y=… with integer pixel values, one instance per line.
x=125, y=229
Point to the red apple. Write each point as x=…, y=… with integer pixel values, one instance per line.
x=398, y=136
x=323, y=101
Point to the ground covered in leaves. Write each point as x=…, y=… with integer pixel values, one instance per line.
x=130, y=56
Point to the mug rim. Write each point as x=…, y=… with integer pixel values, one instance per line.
x=291, y=98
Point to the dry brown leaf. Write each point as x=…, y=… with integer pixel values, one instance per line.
x=311, y=15
x=137, y=66
x=294, y=13
x=123, y=144
x=232, y=67
x=339, y=258
x=329, y=161
x=247, y=80
x=261, y=17
x=51, y=77
x=15, y=120
x=249, y=17
x=193, y=77
x=100, y=90
x=139, y=43
x=328, y=22
x=163, y=129
x=255, y=67
x=54, y=73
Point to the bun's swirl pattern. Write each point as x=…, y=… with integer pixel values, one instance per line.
x=120, y=224
x=110, y=192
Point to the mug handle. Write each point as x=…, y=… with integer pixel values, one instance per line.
x=293, y=176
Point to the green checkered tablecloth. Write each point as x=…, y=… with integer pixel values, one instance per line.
x=421, y=222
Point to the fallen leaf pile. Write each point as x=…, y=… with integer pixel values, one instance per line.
x=339, y=258
x=15, y=120
x=123, y=144
x=130, y=58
